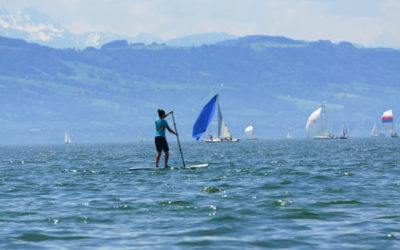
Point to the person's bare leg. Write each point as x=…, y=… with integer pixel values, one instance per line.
x=166, y=155
x=158, y=156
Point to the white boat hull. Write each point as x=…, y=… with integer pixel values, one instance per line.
x=324, y=137
x=221, y=140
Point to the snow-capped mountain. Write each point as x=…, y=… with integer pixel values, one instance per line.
x=26, y=25
x=33, y=26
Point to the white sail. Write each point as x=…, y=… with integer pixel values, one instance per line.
x=344, y=134
x=67, y=138
x=223, y=131
x=344, y=131
x=313, y=126
x=317, y=125
x=324, y=123
x=288, y=136
x=249, y=129
x=249, y=132
x=376, y=131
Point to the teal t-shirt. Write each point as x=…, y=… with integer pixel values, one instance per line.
x=161, y=123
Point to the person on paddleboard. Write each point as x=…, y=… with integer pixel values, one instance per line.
x=159, y=139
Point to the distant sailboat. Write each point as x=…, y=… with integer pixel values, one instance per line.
x=288, y=136
x=376, y=131
x=249, y=133
x=387, y=120
x=204, y=119
x=344, y=134
x=67, y=138
x=317, y=126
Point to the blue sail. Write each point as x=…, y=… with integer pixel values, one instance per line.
x=204, y=119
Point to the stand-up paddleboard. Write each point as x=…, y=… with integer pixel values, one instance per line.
x=170, y=168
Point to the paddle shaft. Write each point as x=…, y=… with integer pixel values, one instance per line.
x=177, y=137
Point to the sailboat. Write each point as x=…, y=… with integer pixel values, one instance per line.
x=249, y=133
x=387, y=120
x=344, y=134
x=67, y=138
x=288, y=136
x=376, y=131
x=317, y=126
x=204, y=119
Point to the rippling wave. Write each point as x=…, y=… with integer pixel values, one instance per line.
x=254, y=194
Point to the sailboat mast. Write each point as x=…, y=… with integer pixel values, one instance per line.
x=219, y=119
x=323, y=119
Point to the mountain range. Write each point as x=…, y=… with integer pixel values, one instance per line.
x=111, y=93
x=34, y=26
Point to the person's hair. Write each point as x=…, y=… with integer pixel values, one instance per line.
x=160, y=112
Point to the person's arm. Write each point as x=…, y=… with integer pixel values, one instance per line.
x=171, y=131
x=167, y=114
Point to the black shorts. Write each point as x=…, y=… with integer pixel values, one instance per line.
x=161, y=143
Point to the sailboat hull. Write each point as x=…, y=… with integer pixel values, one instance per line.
x=324, y=137
x=221, y=140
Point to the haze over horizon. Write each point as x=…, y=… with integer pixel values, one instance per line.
x=368, y=23
x=110, y=94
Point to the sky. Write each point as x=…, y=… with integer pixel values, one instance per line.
x=371, y=23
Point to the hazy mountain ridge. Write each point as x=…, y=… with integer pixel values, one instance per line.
x=34, y=26
x=200, y=39
x=111, y=94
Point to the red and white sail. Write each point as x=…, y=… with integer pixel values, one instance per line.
x=313, y=126
x=387, y=120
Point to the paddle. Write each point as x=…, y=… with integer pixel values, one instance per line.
x=177, y=137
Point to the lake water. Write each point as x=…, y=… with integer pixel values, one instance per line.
x=297, y=194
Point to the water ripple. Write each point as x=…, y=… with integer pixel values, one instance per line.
x=299, y=194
